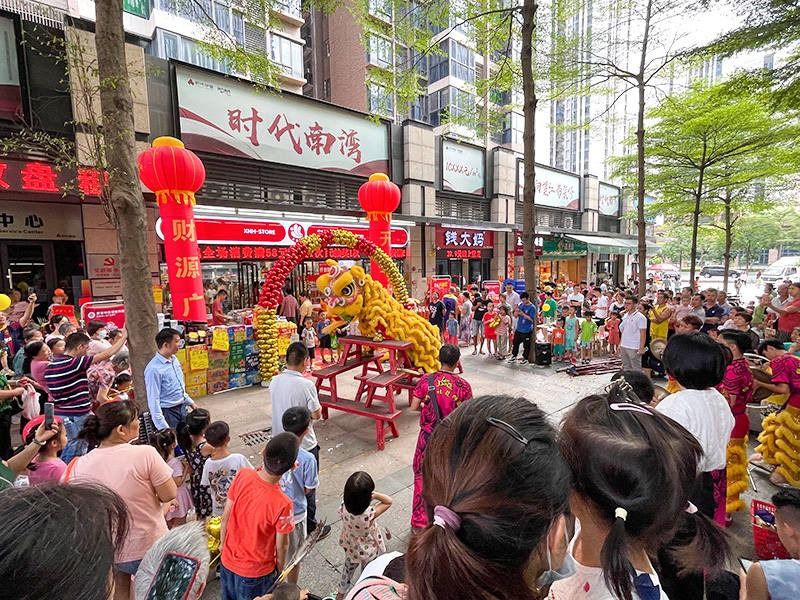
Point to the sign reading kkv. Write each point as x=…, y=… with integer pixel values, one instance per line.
x=462, y=168
x=227, y=116
x=610, y=200
x=553, y=188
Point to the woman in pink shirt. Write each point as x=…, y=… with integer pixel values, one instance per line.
x=38, y=354
x=137, y=473
x=47, y=466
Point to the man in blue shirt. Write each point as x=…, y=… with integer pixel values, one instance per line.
x=167, y=399
x=526, y=319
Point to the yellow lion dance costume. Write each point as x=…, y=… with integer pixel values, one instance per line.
x=352, y=294
x=780, y=443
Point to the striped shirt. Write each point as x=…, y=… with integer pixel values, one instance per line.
x=69, y=387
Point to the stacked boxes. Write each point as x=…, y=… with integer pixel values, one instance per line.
x=194, y=367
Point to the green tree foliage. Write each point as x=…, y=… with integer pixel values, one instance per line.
x=769, y=25
x=713, y=153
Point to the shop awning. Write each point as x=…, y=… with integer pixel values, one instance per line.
x=609, y=245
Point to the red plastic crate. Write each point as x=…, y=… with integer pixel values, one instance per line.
x=765, y=540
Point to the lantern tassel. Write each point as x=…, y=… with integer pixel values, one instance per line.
x=179, y=196
x=379, y=216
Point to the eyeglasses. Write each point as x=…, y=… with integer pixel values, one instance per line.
x=509, y=429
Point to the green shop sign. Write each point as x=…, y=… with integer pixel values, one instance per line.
x=562, y=249
x=140, y=8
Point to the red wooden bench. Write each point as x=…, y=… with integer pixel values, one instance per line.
x=329, y=374
x=384, y=418
x=387, y=382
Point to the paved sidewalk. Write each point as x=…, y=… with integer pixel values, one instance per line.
x=348, y=444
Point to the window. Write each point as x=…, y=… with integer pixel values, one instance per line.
x=255, y=38
x=172, y=46
x=326, y=89
x=769, y=61
x=379, y=51
x=439, y=64
x=453, y=105
x=462, y=61
x=419, y=109
x=380, y=100
x=237, y=27
x=287, y=53
x=288, y=7
x=381, y=9
x=222, y=17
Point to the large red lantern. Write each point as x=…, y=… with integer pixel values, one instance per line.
x=175, y=174
x=379, y=198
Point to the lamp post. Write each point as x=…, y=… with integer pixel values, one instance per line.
x=379, y=198
x=175, y=174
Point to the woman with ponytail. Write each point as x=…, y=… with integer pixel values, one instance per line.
x=495, y=489
x=634, y=470
x=137, y=474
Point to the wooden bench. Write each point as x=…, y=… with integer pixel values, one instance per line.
x=330, y=373
x=381, y=415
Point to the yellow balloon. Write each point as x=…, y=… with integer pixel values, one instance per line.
x=546, y=308
x=5, y=302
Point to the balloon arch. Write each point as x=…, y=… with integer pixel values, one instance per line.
x=271, y=295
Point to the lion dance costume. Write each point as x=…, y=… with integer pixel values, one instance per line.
x=737, y=387
x=352, y=294
x=780, y=439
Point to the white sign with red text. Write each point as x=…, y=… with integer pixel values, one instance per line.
x=271, y=233
x=556, y=189
x=462, y=168
x=226, y=116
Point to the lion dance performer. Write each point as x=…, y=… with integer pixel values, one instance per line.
x=351, y=294
x=780, y=441
x=737, y=387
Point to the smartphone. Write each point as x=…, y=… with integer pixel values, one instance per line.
x=745, y=563
x=174, y=578
x=48, y=415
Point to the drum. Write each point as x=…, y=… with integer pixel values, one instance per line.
x=760, y=392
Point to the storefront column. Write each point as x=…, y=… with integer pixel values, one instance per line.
x=590, y=199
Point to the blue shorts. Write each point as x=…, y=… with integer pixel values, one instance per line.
x=585, y=344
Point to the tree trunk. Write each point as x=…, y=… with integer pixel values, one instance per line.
x=125, y=193
x=728, y=239
x=529, y=8
x=641, y=225
x=696, y=213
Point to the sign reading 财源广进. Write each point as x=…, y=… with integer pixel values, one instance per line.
x=462, y=168
x=40, y=221
x=227, y=116
x=555, y=189
x=610, y=200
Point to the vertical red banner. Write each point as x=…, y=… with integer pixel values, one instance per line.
x=183, y=262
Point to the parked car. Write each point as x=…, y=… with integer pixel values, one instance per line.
x=717, y=271
x=783, y=268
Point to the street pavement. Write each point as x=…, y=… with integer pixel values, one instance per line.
x=348, y=445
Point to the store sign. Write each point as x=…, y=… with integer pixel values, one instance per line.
x=40, y=221
x=449, y=238
x=10, y=90
x=140, y=8
x=610, y=200
x=519, y=247
x=102, y=266
x=102, y=288
x=555, y=189
x=108, y=312
x=271, y=233
x=225, y=116
x=226, y=252
x=44, y=178
x=451, y=253
x=462, y=168
x=548, y=248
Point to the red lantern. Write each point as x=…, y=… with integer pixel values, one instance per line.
x=379, y=198
x=175, y=174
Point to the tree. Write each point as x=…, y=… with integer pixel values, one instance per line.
x=125, y=193
x=709, y=144
x=768, y=25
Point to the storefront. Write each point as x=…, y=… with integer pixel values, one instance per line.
x=464, y=254
x=559, y=259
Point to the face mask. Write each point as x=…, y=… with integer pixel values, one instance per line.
x=548, y=577
x=102, y=334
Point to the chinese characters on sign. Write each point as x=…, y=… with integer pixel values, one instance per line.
x=552, y=188
x=212, y=252
x=463, y=239
x=226, y=116
x=39, y=177
x=40, y=221
x=610, y=200
x=462, y=168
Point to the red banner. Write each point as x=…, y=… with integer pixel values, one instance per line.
x=439, y=284
x=459, y=238
x=108, y=312
x=183, y=261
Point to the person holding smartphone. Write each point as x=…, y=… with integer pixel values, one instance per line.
x=17, y=464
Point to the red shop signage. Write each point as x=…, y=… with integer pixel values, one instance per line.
x=226, y=252
x=460, y=238
x=32, y=176
x=270, y=233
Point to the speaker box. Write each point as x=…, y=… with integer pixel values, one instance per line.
x=543, y=354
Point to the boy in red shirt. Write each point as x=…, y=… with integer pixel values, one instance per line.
x=256, y=524
x=557, y=339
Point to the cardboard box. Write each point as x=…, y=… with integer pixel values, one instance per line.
x=217, y=373
x=250, y=347
x=238, y=380
x=218, y=359
x=237, y=350
x=252, y=377
x=217, y=386
x=251, y=362
x=194, y=378
x=198, y=357
x=237, y=333
x=248, y=331
x=196, y=391
x=238, y=367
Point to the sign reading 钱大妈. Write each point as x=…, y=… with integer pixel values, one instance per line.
x=227, y=116
x=462, y=168
x=610, y=200
x=553, y=188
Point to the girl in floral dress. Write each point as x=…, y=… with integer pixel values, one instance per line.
x=361, y=538
x=191, y=438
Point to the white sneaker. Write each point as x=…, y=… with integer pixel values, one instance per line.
x=523, y=362
x=513, y=359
